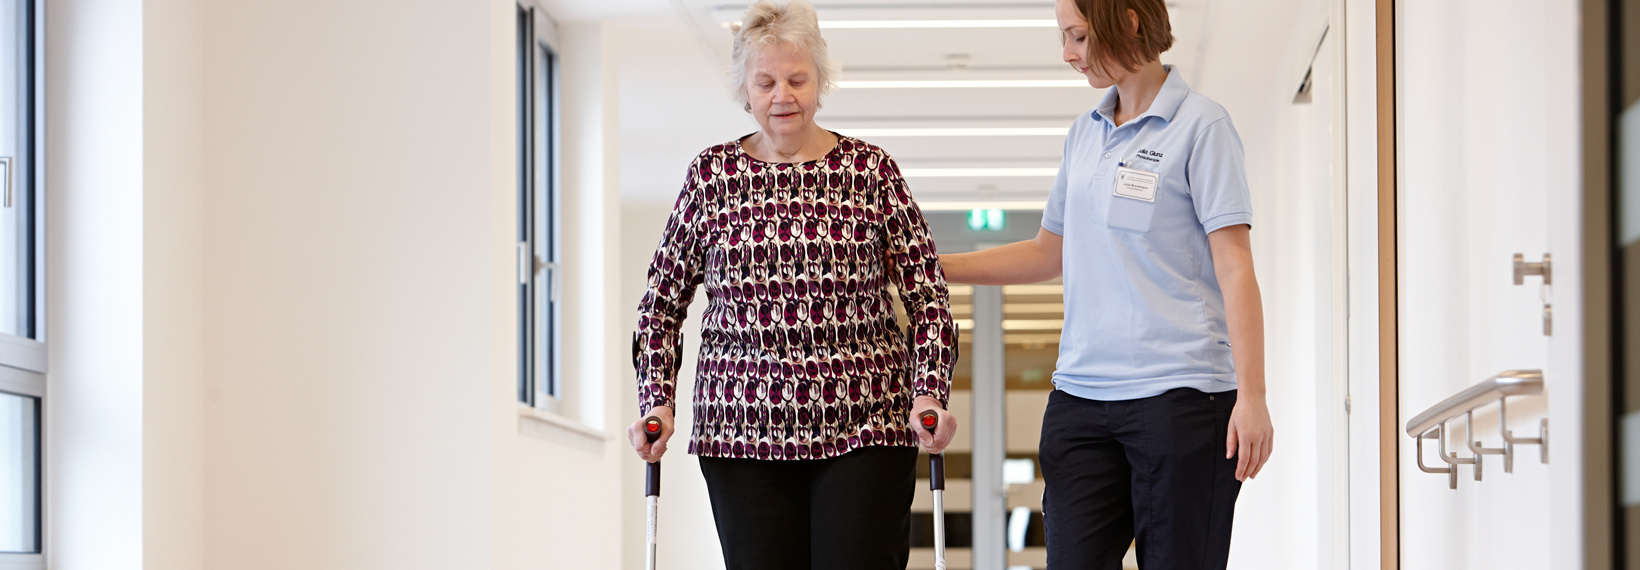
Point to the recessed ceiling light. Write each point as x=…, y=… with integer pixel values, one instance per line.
x=958, y=132
x=978, y=172
x=964, y=84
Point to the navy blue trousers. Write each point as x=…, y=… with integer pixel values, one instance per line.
x=1150, y=470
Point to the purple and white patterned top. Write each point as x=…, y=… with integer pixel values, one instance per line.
x=800, y=355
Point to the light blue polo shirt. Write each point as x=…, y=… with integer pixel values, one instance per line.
x=1143, y=310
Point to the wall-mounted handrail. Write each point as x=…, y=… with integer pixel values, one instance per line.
x=1511, y=383
x=1431, y=424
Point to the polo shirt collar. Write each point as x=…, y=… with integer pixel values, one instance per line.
x=1165, y=106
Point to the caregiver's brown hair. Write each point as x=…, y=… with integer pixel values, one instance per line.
x=1126, y=33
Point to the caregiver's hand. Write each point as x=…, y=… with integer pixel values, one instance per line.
x=1250, y=436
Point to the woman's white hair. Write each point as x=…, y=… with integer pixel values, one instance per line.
x=770, y=23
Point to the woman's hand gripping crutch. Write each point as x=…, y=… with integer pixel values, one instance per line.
x=930, y=421
x=649, y=437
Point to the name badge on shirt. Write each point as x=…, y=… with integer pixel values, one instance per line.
x=1136, y=184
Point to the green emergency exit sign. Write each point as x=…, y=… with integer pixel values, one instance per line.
x=987, y=220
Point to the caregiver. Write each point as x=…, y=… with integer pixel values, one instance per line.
x=1159, y=412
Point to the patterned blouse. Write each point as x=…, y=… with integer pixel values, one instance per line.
x=801, y=357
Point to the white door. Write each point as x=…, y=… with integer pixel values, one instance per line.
x=1486, y=126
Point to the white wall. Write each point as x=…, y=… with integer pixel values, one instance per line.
x=347, y=236
x=1293, y=515
x=173, y=282
x=282, y=291
x=1359, y=46
x=1474, y=190
x=93, y=413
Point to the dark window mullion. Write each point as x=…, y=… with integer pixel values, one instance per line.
x=24, y=179
x=548, y=199
x=526, y=328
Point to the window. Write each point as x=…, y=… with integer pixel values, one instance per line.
x=540, y=275
x=22, y=354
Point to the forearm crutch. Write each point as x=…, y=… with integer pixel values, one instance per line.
x=652, y=491
x=936, y=483
x=651, y=433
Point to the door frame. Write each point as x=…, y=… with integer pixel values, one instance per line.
x=1598, y=109
x=1388, y=355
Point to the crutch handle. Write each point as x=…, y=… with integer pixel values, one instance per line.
x=936, y=461
x=652, y=479
x=651, y=428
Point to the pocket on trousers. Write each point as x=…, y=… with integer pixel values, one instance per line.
x=1130, y=215
x=1193, y=397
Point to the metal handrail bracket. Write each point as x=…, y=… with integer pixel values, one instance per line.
x=1432, y=423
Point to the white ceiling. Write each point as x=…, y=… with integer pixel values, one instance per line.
x=1245, y=64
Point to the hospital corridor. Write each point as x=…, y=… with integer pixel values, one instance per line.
x=819, y=284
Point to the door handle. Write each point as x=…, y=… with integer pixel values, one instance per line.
x=1524, y=268
x=5, y=163
x=1544, y=268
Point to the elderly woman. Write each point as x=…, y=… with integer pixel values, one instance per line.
x=805, y=390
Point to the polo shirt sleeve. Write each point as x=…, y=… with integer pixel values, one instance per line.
x=1217, y=172
x=1053, y=215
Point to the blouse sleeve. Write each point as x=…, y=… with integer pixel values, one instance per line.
x=932, y=345
x=674, y=272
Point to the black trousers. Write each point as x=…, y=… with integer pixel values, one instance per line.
x=1151, y=469
x=847, y=512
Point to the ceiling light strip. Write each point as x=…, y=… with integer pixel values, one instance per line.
x=937, y=206
x=1017, y=324
x=965, y=84
x=1033, y=289
x=978, y=172
x=933, y=24
x=958, y=132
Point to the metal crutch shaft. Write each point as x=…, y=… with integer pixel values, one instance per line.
x=936, y=483
x=652, y=491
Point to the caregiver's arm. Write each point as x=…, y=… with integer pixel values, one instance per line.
x=1250, y=434
x=1029, y=261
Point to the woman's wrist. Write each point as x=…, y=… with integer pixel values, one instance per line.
x=952, y=264
x=929, y=399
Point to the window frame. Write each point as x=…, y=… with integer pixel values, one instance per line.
x=23, y=357
x=541, y=383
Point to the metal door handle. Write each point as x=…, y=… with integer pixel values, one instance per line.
x=1524, y=268
x=553, y=277
x=5, y=162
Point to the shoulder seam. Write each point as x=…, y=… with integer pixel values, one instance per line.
x=1203, y=129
